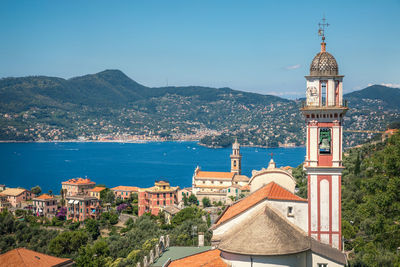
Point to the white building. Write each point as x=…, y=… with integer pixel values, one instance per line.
x=218, y=186
x=274, y=227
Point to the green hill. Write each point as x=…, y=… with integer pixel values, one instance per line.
x=109, y=104
x=371, y=203
x=376, y=94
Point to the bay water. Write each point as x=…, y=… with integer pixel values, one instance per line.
x=132, y=164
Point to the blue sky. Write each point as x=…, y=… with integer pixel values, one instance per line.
x=257, y=46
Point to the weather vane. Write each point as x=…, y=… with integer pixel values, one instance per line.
x=322, y=26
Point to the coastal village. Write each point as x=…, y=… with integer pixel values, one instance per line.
x=224, y=219
x=263, y=222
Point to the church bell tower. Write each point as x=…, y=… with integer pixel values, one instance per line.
x=324, y=111
x=236, y=158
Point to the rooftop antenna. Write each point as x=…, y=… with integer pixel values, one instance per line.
x=321, y=32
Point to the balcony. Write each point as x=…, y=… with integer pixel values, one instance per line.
x=305, y=106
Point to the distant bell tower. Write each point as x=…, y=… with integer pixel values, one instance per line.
x=324, y=112
x=236, y=158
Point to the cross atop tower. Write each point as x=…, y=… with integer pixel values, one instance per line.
x=322, y=26
x=321, y=32
x=272, y=155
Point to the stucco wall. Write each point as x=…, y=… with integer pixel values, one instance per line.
x=280, y=177
x=236, y=260
x=299, y=215
x=238, y=220
x=302, y=259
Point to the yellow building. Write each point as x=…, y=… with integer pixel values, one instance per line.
x=95, y=192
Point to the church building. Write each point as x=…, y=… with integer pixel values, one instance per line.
x=219, y=186
x=274, y=227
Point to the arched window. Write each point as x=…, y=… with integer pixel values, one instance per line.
x=323, y=93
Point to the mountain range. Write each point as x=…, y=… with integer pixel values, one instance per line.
x=110, y=105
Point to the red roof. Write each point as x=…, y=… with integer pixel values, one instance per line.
x=209, y=258
x=126, y=188
x=44, y=196
x=25, y=257
x=77, y=181
x=269, y=191
x=97, y=189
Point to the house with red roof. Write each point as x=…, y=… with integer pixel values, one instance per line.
x=15, y=196
x=158, y=197
x=77, y=186
x=95, y=192
x=45, y=205
x=22, y=257
x=124, y=192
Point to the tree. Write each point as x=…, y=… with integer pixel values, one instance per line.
x=206, y=202
x=36, y=190
x=62, y=192
x=94, y=255
x=185, y=200
x=107, y=196
x=193, y=200
x=50, y=192
x=92, y=227
x=186, y=214
x=301, y=181
x=68, y=243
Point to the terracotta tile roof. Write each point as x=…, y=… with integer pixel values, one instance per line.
x=25, y=257
x=269, y=191
x=126, y=188
x=76, y=181
x=162, y=182
x=209, y=258
x=287, y=168
x=44, y=196
x=245, y=188
x=215, y=175
x=241, y=178
x=13, y=191
x=97, y=189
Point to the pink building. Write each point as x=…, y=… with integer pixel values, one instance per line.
x=16, y=195
x=45, y=205
x=77, y=186
x=184, y=192
x=159, y=196
x=124, y=192
x=80, y=208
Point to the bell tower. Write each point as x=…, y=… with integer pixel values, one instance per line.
x=236, y=158
x=324, y=111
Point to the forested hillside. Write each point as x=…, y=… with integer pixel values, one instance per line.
x=370, y=203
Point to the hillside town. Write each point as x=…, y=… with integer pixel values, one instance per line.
x=339, y=207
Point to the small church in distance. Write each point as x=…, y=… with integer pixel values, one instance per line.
x=272, y=226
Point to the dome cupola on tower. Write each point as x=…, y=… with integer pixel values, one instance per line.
x=324, y=64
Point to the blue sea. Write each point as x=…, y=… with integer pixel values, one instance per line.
x=48, y=164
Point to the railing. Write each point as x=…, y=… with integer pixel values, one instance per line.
x=304, y=104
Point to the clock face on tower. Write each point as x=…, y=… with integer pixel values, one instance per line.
x=312, y=96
